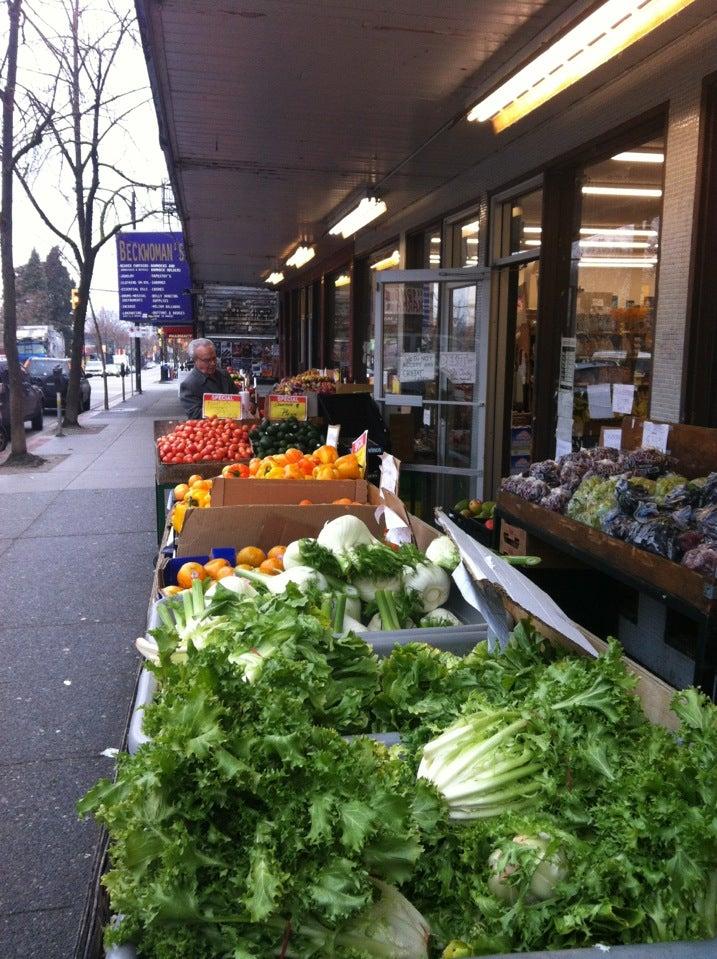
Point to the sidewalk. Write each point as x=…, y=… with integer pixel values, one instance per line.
x=77, y=547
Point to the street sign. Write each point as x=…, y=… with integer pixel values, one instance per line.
x=153, y=278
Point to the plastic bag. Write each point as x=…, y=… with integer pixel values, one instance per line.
x=665, y=484
x=526, y=487
x=646, y=509
x=593, y=499
x=680, y=496
x=557, y=499
x=708, y=495
x=659, y=535
x=705, y=520
x=572, y=472
x=605, y=453
x=548, y=471
x=702, y=559
x=617, y=524
x=630, y=492
x=689, y=540
x=605, y=468
x=647, y=462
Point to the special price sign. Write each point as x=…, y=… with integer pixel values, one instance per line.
x=280, y=407
x=226, y=406
x=360, y=448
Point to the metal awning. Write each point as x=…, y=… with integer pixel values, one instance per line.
x=273, y=112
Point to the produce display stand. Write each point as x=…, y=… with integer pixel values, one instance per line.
x=672, y=584
x=168, y=475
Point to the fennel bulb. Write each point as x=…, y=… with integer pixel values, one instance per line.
x=442, y=551
x=303, y=577
x=367, y=588
x=431, y=583
x=482, y=765
x=235, y=584
x=440, y=617
x=342, y=534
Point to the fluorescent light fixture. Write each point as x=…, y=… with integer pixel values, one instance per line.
x=617, y=244
x=343, y=280
x=435, y=258
x=614, y=231
x=368, y=210
x=611, y=28
x=532, y=229
x=531, y=242
x=473, y=240
x=393, y=260
x=470, y=228
x=640, y=156
x=621, y=191
x=274, y=278
x=435, y=239
x=301, y=256
x=633, y=262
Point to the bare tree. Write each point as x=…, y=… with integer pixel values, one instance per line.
x=89, y=111
x=12, y=154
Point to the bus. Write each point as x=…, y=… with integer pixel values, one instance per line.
x=39, y=341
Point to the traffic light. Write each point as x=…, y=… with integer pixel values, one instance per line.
x=75, y=298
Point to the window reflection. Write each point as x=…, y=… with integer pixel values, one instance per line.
x=522, y=401
x=616, y=254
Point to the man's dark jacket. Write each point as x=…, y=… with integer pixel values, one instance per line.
x=196, y=384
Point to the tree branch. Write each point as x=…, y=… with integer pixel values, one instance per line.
x=48, y=223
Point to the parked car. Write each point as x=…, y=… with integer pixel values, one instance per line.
x=93, y=368
x=41, y=372
x=32, y=402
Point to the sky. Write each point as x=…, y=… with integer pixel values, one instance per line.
x=134, y=149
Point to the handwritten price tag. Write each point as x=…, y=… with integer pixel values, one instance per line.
x=226, y=406
x=284, y=407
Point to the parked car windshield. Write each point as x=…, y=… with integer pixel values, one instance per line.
x=41, y=367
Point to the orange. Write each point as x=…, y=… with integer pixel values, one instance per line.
x=243, y=566
x=188, y=572
x=214, y=565
x=293, y=455
x=224, y=571
x=194, y=478
x=180, y=491
x=251, y=555
x=276, y=552
x=271, y=567
x=344, y=501
x=305, y=502
x=326, y=454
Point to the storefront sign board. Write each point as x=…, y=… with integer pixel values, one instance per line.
x=153, y=279
x=226, y=406
x=283, y=407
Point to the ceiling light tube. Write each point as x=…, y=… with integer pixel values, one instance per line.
x=274, y=278
x=532, y=229
x=343, y=280
x=640, y=156
x=635, y=263
x=617, y=244
x=470, y=228
x=621, y=191
x=393, y=260
x=611, y=28
x=614, y=231
x=368, y=210
x=301, y=256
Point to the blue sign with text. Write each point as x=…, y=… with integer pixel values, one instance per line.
x=153, y=279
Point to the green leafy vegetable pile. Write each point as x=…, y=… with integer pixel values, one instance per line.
x=256, y=824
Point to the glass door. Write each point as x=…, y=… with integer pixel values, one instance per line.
x=430, y=363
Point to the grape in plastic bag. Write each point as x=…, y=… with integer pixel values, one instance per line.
x=680, y=496
x=659, y=535
x=708, y=495
x=689, y=540
x=548, y=471
x=647, y=462
x=630, y=492
x=617, y=524
x=557, y=499
x=526, y=487
x=705, y=520
x=702, y=559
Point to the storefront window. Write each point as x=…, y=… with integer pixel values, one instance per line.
x=606, y=367
x=339, y=309
x=387, y=258
x=466, y=242
x=410, y=339
x=434, y=249
x=525, y=218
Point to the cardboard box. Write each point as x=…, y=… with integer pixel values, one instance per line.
x=242, y=492
x=262, y=525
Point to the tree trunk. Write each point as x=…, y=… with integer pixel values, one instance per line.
x=72, y=403
x=17, y=420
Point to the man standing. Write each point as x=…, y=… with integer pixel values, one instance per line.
x=205, y=377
